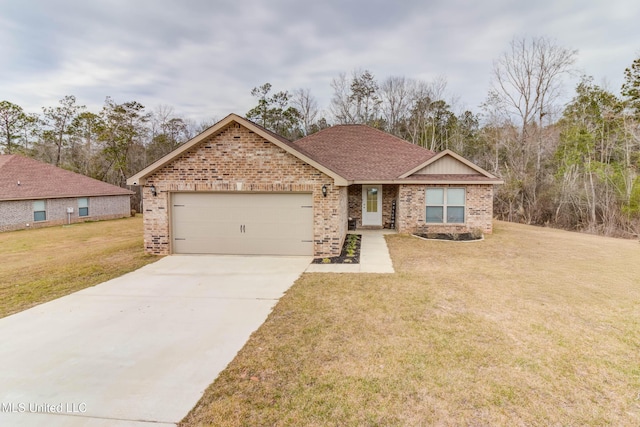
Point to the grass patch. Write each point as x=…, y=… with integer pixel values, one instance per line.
x=532, y=326
x=46, y=263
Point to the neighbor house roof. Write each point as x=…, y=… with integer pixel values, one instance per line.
x=22, y=178
x=347, y=153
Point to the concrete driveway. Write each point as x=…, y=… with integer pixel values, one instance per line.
x=138, y=350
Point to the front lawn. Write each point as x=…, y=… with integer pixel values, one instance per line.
x=531, y=326
x=46, y=263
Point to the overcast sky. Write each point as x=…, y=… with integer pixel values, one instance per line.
x=203, y=57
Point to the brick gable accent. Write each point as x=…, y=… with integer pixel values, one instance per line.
x=236, y=159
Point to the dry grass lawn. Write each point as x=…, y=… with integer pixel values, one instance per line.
x=43, y=264
x=532, y=326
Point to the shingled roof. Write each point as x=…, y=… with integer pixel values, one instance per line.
x=359, y=152
x=347, y=153
x=22, y=178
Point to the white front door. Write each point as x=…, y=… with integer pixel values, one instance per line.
x=372, y=205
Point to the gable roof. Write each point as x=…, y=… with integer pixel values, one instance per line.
x=285, y=144
x=360, y=152
x=463, y=170
x=22, y=178
x=350, y=154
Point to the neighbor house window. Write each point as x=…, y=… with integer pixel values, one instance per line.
x=445, y=205
x=39, y=210
x=83, y=206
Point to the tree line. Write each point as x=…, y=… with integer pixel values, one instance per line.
x=573, y=165
x=109, y=145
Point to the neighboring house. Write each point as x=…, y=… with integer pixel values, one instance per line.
x=35, y=194
x=238, y=188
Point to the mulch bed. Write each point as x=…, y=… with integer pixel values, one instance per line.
x=344, y=258
x=457, y=237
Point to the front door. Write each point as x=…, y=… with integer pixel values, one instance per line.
x=372, y=205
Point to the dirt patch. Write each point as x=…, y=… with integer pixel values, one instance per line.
x=350, y=253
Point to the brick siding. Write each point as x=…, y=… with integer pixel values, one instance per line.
x=238, y=160
x=389, y=194
x=411, y=210
x=18, y=214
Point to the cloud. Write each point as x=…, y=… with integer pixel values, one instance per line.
x=203, y=57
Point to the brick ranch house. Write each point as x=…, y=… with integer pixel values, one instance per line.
x=238, y=188
x=35, y=194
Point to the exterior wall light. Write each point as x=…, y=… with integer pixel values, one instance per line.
x=152, y=188
x=324, y=191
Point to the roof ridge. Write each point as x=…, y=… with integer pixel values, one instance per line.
x=362, y=152
x=369, y=127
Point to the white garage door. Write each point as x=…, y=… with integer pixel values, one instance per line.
x=240, y=223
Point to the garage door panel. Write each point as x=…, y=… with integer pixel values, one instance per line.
x=204, y=245
x=282, y=227
x=237, y=223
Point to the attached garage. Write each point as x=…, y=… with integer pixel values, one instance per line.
x=242, y=223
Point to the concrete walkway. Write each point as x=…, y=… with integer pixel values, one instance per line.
x=374, y=256
x=138, y=350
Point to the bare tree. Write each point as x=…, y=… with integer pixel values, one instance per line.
x=528, y=78
x=307, y=106
x=526, y=85
x=159, y=117
x=340, y=104
x=396, y=94
x=194, y=128
x=167, y=132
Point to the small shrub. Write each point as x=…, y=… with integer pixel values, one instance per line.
x=476, y=233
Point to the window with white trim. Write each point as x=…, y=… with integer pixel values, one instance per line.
x=39, y=210
x=83, y=206
x=445, y=205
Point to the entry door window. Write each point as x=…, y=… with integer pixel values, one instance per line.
x=372, y=200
